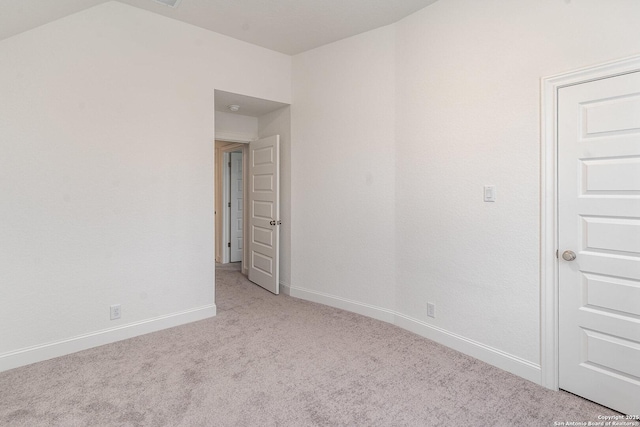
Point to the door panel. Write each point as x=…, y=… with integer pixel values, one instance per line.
x=612, y=293
x=599, y=219
x=264, y=203
x=613, y=115
x=612, y=175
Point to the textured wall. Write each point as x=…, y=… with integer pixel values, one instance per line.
x=106, y=172
x=468, y=82
x=236, y=127
x=343, y=169
x=438, y=105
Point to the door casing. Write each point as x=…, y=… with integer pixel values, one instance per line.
x=549, y=298
x=219, y=167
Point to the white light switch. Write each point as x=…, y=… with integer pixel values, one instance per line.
x=489, y=193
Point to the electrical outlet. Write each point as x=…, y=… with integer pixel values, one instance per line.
x=431, y=310
x=115, y=311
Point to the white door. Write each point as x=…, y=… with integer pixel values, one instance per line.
x=599, y=221
x=264, y=215
x=236, y=207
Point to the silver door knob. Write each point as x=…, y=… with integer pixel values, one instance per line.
x=568, y=255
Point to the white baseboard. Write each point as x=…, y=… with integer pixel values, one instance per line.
x=285, y=288
x=368, y=310
x=498, y=358
x=47, y=351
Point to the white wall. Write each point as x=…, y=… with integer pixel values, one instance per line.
x=106, y=174
x=343, y=170
x=279, y=123
x=235, y=127
x=461, y=111
x=468, y=115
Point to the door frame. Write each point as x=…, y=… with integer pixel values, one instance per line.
x=549, y=297
x=219, y=166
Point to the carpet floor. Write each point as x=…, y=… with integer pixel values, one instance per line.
x=269, y=360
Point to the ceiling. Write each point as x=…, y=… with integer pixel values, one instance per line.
x=287, y=26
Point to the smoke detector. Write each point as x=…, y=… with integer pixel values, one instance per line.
x=233, y=107
x=170, y=3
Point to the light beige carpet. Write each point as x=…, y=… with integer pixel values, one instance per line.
x=270, y=360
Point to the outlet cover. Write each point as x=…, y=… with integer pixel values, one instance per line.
x=431, y=310
x=115, y=311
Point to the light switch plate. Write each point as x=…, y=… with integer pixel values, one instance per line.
x=489, y=193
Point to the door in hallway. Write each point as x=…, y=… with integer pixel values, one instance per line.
x=264, y=215
x=599, y=240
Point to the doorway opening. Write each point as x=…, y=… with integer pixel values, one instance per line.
x=243, y=124
x=230, y=203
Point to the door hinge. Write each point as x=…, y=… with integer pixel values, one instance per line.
x=229, y=244
x=229, y=164
x=229, y=204
x=557, y=252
